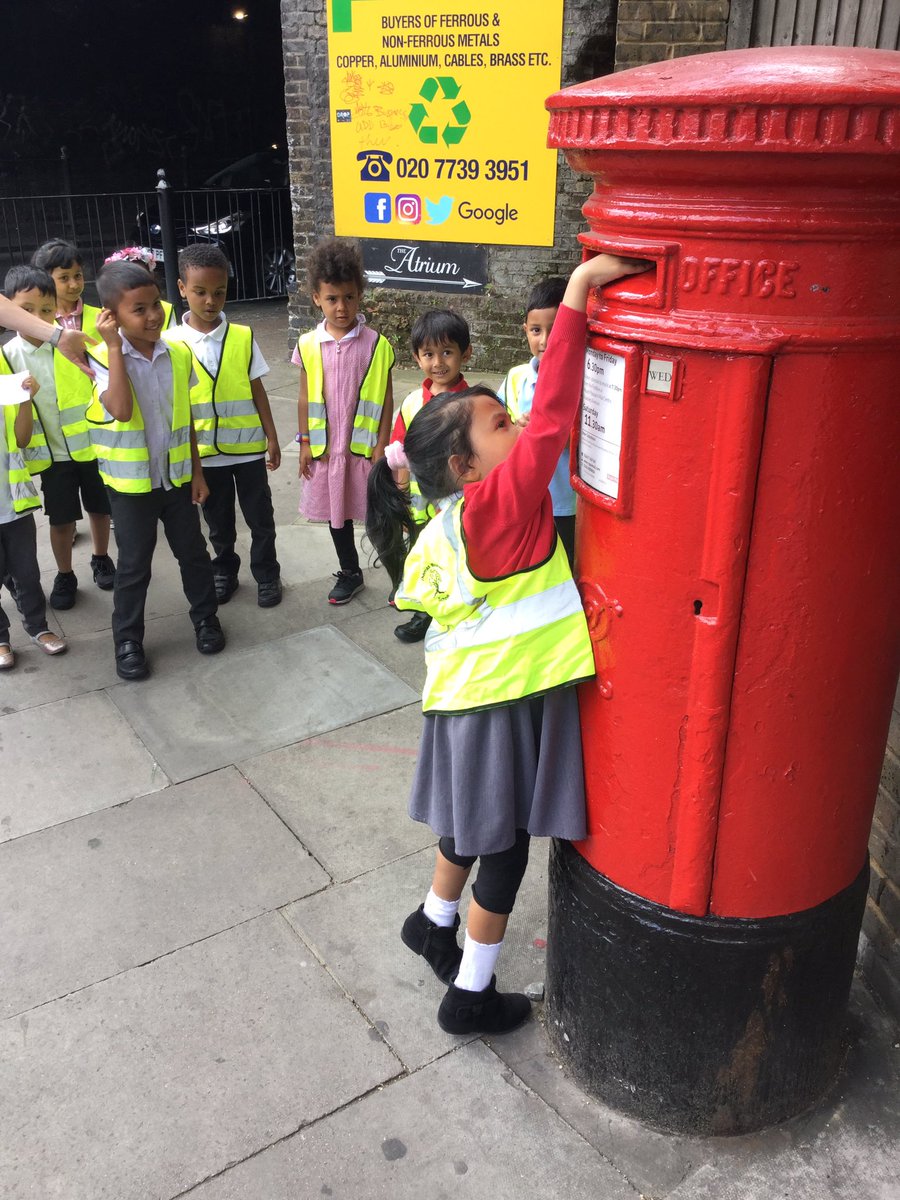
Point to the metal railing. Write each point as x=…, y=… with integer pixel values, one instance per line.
x=251, y=225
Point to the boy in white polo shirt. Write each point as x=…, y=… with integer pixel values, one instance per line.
x=235, y=431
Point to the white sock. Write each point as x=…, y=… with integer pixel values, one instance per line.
x=440, y=912
x=477, y=966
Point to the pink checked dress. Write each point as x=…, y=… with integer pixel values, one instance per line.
x=336, y=490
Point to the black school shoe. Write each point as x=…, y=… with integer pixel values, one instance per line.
x=488, y=1011
x=130, y=661
x=436, y=943
x=210, y=637
x=226, y=586
x=348, y=584
x=268, y=593
x=104, y=571
x=65, y=586
x=414, y=629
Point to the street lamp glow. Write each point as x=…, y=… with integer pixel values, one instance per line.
x=240, y=14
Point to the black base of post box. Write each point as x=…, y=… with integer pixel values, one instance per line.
x=698, y=1025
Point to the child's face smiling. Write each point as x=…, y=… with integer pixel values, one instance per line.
x=204, y=289
x=339, y=303
x=69, y=285
x=36, y=302
x=140, y=316
x=442, y=363
x=538, y=324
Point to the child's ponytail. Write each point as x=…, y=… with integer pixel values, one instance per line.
x=389, y=522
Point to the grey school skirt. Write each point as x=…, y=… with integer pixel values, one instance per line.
x=481, y=776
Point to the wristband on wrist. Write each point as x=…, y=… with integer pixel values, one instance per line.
x=54, y=337
x=304, y=437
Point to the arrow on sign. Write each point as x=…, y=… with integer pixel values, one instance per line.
x=380, y=277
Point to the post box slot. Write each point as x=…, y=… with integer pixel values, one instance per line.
x=651, y=288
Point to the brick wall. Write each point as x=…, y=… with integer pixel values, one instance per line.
x=880, y=941
x=652, y=30
x=495, y=317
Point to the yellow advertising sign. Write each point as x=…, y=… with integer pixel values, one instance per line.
x=438, y=126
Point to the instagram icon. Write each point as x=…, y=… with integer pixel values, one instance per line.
x=408, y=208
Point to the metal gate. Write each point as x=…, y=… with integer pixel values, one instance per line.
x=872, y=23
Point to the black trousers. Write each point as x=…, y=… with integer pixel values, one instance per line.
x=345, y=545
x=135, y=521
x=499, y=875
x=250, y=480
x=19, y=565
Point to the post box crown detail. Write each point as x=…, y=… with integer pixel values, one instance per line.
x=793, y=99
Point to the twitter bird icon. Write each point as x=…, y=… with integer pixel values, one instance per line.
x=438, y=210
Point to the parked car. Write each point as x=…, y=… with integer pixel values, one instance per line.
x=244, y=209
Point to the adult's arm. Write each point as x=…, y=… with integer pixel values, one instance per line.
x=71, y=341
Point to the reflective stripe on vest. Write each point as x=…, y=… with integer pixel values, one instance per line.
x=232, y=425
x=13, y=471
x=492, y=642
x=121, y=446
x=369, y=406
x=422, y=509
x=512, y=390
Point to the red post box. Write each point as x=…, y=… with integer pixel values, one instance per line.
x=738, y=543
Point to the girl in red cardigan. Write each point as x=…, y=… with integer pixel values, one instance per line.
x=500, y=754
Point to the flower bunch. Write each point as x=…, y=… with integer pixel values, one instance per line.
x=135, y=254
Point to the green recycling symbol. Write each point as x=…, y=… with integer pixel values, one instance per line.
x=425, y=123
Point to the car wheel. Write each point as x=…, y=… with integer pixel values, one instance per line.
x=279, y=271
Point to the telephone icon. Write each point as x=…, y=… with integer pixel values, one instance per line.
x=375, y=166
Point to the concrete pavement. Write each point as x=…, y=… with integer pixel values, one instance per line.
x=202, y=988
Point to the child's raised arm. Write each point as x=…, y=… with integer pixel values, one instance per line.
x=596, y=272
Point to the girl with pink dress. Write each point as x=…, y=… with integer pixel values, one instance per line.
x=345, y=405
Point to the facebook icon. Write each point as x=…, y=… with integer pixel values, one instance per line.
x=378, y=208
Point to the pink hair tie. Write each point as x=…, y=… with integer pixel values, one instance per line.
x=396, y=457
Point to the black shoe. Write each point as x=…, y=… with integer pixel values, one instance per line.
x=210, y=638
x=414, y=629
x=65, y=586
x=226, y=586
x=436, y=943
x=488, y=1011
x=268, y=593
x=348, y=584
x=130, y=661
x=104, y=571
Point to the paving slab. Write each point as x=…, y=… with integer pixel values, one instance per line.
x=98, y=895
x=146, y=1084
x=464, y=1126
x=259, y=698
x=344, y=793
x=355, y=928
x=374, y=631
x=69, y=758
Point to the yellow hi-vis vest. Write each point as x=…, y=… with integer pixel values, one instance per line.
x=73, y=393
x=422, y=510
x=225, y=416
x=121, y=446
x=493, y=641
x=367, y=417
x=12, y=465
x=89, y=315
x=512, y=390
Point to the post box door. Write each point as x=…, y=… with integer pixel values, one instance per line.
x=665, y=457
